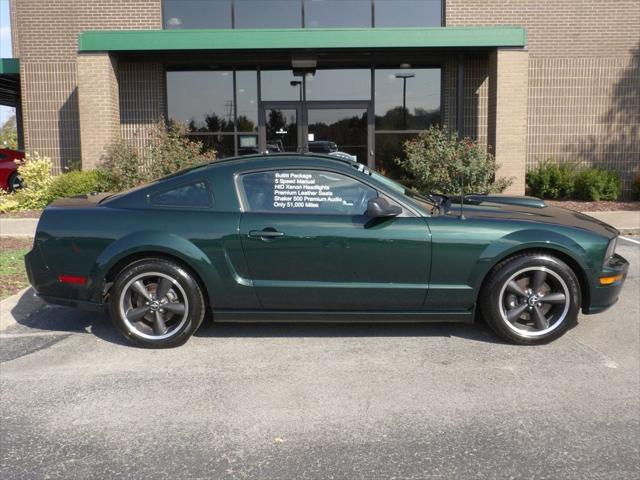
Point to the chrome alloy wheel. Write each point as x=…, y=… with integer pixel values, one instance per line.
x=534, y=301
x=153, y=306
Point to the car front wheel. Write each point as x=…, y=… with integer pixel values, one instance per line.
x=531, y=298
x=156, y=303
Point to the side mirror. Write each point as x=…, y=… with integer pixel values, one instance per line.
x=380, y=208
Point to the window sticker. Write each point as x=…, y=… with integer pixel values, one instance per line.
x=306, y=191
x=302, y=190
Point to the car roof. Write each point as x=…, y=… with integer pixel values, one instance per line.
x=284, y=155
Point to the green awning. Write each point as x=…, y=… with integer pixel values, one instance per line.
x=300, y=38
x=9, y=66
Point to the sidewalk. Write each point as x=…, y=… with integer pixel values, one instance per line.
x=628, y=222
x=18, y=227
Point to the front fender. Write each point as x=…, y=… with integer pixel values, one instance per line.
x=154, y=242
x=529, y=239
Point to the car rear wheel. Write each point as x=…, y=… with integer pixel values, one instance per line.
x=156, y=303
x=531, y=299
x=14, y=182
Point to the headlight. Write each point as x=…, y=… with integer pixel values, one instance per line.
x=611, y=249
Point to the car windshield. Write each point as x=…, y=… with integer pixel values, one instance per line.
x=421, y=200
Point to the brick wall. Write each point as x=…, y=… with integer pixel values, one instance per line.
x=45, y=38
x=142, y=100
x=561, y=28
x=98, y=103
x=584, y=77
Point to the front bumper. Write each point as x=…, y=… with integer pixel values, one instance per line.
x=602, y=297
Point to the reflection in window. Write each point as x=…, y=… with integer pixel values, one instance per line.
x=339, y=85
x=222, y=144
x=389, y=149
x=280, y=85
x=268, y=14
x=201, y=100
x=344, y=130
x=407, y=99
x=190, y=195
x=306, y=191
x=337, y=13
x=408, y=13
x=196, y=14
x=247, y=98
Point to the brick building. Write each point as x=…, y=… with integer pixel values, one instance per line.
x=533, y=80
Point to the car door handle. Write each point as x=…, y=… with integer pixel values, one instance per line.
x=266, y=233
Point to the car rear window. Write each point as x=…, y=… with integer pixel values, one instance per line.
x=194, y=194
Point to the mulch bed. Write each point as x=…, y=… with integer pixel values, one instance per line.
x=580, y=206
x=25, y=214
x=13, y=243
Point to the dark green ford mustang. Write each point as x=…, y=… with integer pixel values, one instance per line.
x=314, y=238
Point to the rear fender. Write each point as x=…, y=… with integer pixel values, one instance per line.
x=159, y=243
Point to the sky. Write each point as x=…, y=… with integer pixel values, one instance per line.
x=5, y=49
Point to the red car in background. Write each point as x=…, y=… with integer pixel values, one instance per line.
x=9, y=161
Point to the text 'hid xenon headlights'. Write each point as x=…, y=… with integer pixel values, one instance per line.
x=611, y=249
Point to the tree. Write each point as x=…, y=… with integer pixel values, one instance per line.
x=9, y=134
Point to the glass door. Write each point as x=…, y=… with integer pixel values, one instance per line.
x=280, y=127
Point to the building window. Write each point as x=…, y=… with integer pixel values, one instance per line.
x=196, y=14
x=267, y=14
x=201, y=100
x=408, y=13
x=301, y=13
x=343, y=84
x=407, y=101
x=337, y=13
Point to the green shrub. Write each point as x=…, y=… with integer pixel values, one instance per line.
x=436, y=161
x=550, y=180
x=77, y=183
x=170, y=150
x=123, y=168
x=598, y=184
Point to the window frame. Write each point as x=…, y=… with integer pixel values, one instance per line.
x=407, y=211
x=175, y=186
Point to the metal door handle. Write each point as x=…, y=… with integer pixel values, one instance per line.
x=271, y=233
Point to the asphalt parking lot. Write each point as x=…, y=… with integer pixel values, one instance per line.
x=322, y=401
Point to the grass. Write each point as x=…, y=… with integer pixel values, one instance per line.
x=13, y=276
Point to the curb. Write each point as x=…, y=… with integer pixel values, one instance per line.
x=18, y=307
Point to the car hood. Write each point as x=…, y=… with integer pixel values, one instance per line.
x=528, y=209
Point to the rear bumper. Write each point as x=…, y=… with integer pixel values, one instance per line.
x=602, y=297
x=51, y=290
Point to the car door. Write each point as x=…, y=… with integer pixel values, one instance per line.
x=309, y=245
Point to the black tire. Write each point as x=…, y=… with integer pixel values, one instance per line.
x=522, y=299
x=135, y=310
x=14, y=182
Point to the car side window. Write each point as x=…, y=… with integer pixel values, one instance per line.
x=189, y=195
x=305, y=191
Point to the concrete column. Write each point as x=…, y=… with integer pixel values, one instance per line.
x=507, y=129
x=98, y=104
